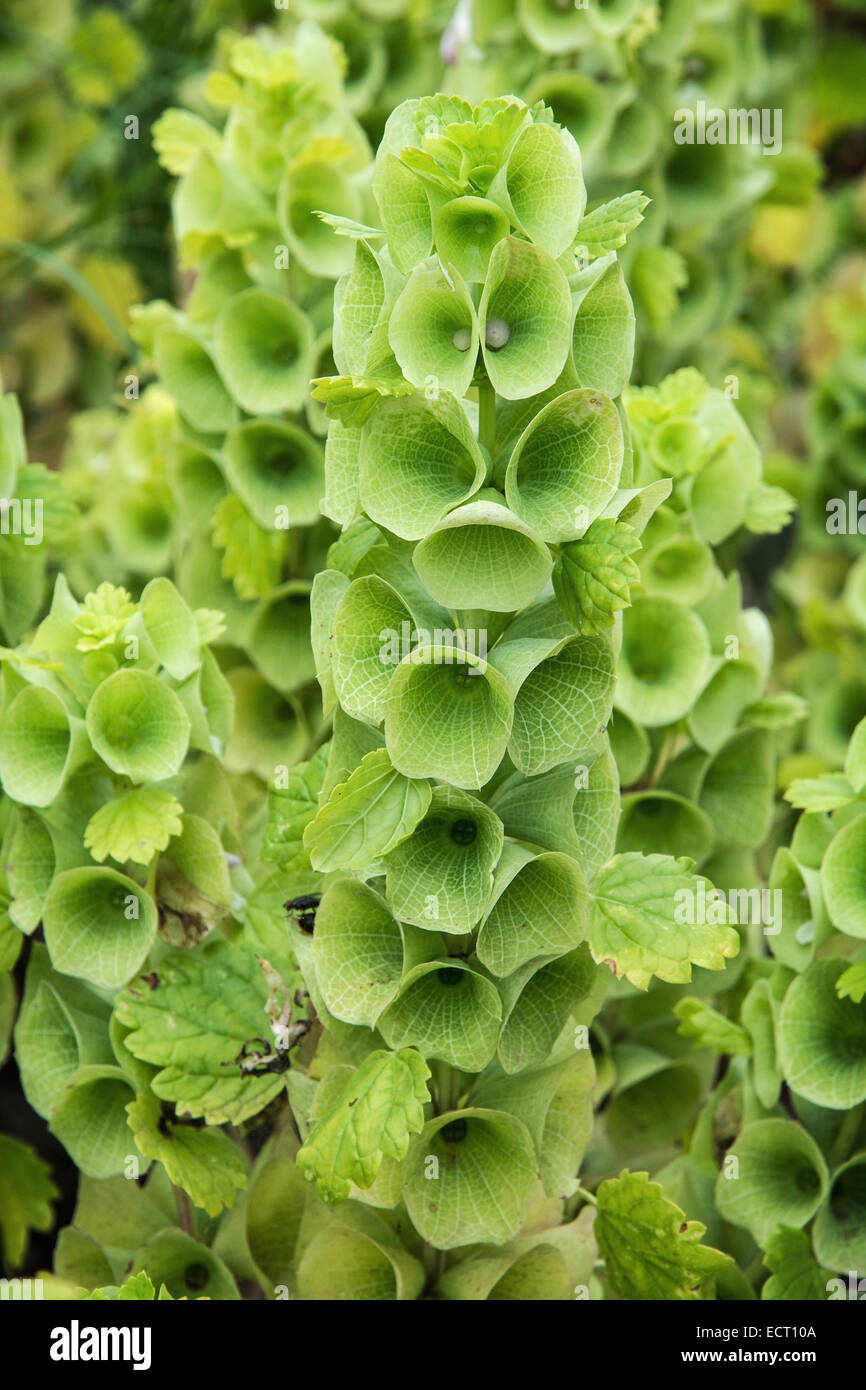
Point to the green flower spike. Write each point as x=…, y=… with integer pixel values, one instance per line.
x=473, y=908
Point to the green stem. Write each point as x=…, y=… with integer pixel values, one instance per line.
x=441, y=1074
x=844, y=1140
x=665, y=751
x=150, y=884
x=456, y=1087
x=185, y=1216
x=487, y=417
x=243, y=1144
x=438, y=1267
x=294, y=553
x=433, y=1261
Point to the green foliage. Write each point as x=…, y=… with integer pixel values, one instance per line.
x=593, y=576
x=389, y=1092
x=649, y=1249
x=26, y=1194
x=523, y=951
x=485, y=911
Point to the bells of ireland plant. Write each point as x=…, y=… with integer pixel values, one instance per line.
x=227, y=439
x=459, y=908
x=118, y=829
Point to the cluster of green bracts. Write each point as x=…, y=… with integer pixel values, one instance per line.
x=524, y=866
x=215, y=471
x=622, y=77
x=461, y=824
x=115, y=715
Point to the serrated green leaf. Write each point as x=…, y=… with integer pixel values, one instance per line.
x=371, y=1117
x=135, y=826
x=178, y=136
x=353, y=399
x=210, y=623
x=26, y=1195
x=709, y=1028
x=138, y=1288
x=203, y=1162
x=650, y=1250
x=291, y=808
x=592, y=576
x=608, y=226
x=201, y=1022
x=658, y=275
x=252, y=557
x=825, y=793
x=768, y=509
x=639, y=920
x=102, y=617
x=851, y=984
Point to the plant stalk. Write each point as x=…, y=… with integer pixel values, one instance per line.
x=844, y=1140
x=185, y=1215
x=487, y=418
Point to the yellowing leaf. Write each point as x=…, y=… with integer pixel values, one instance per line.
x=203, y=1162
x=178, y=136
x=202, y=1019
x=134, y=826
x=851, y=984
x=645, y=920
x=371, y=1117
x=649, y=1249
